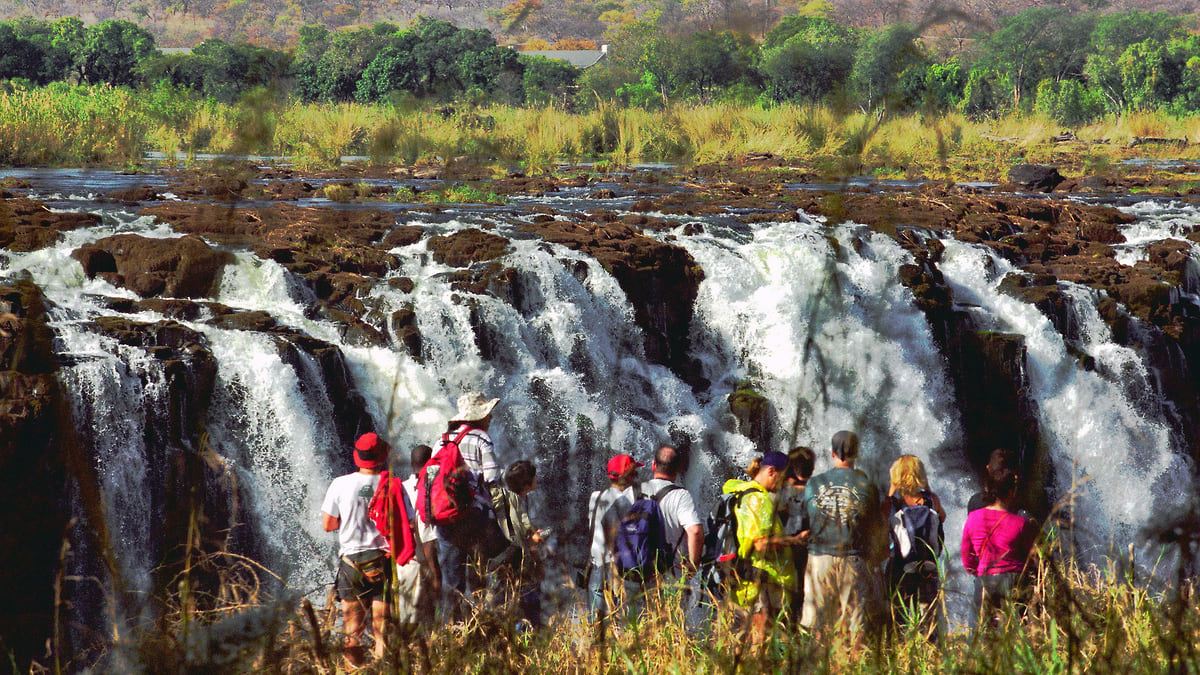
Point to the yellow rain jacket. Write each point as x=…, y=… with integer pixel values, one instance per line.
x=757, y=518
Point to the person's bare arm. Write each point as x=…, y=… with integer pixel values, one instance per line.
x=330, y=523
x=695, y=539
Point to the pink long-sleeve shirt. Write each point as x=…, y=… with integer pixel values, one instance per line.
x=996, y=542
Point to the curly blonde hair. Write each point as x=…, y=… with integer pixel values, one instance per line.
x=907, y=476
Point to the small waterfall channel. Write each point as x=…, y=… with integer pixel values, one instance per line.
x=811, y=316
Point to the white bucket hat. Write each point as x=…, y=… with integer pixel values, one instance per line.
x=474, y=406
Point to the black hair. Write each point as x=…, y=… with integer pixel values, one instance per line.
x=519, y=475
x=801, y=461
x=419, y=457
x=999, y=484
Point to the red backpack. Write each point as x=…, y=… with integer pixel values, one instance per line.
x=444, y=490
x=390, y=515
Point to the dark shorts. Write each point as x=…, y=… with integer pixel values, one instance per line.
x=352, y=584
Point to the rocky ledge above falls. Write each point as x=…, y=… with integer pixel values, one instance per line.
x=1051, y=239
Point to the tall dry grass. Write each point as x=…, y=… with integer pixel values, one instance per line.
x=70, y=125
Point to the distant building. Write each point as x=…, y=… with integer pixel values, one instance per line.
x=580, y=58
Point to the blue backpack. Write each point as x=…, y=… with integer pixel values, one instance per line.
x=642, y=550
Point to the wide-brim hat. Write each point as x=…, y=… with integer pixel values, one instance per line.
x=474, y=406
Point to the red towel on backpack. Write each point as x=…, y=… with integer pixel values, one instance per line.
x=390, y=515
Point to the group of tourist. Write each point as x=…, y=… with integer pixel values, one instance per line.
x=826, y=552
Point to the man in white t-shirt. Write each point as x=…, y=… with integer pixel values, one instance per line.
x=681, y=523
x=605, y=510
x=419, y=582
x=364, y=568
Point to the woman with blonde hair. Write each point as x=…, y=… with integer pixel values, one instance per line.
x=915, y=518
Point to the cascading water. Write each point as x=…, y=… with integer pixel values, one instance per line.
x=1116, y=465
x=812, y=315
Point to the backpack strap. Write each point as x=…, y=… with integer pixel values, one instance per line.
x=657, y=498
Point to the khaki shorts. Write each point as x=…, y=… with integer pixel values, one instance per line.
x=841, y=592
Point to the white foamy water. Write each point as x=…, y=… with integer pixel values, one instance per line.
x=813, y=316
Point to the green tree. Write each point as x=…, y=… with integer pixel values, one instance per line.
x=112, y=52
x=889, y=68
x=330, y=63
x=1037, y=44
x=806, y=58
x=19, y=57
x=547, y=80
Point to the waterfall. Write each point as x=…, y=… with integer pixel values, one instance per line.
x=812, y=316
x=1114, y=460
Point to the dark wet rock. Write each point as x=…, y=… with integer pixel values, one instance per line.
x=314, y=243
x=1034, y=177
x=468, y=246
x=603, y=194
x=407, y=334
x=215, y=186
x=34, y=472
x=353, y=329
x=279, y=191
x=28, y=225
x=185, y=267
x=753, y=414
x=405, y=235
x=992, y=386
x=144, y=193
x=256, y=320
x=402, y=284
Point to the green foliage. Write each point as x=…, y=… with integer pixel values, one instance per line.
x=944, y=85
x=19, y=57
x=805, y=59
x=221, y=70
x=1071, y=102
x=1037, y=44
x=889, y=68
x=645, y=93
x=980, y=97
x=112, y=52
x=546, y=80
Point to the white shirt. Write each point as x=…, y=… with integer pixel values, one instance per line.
x=424, y=532
x=348, y=499
x=612, y=507
x=678, y=510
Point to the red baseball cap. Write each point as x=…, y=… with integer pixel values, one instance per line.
x=620, y=465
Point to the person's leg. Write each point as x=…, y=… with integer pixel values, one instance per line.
x=354, y=614
x=597, y=605
x=815, y=615
x=452, y=558
x=379, y=621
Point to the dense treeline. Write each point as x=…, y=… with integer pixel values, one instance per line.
x=1073, y=67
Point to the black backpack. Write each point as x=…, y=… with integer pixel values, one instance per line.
x=720, y=564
